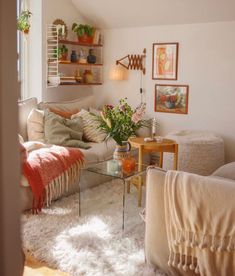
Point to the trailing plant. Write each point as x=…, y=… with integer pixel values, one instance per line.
x=82, y=30
x=23, y=24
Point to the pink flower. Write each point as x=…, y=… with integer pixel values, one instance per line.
x=140, y=110
x=136, y=117
x=122, y=108
x=109, y=106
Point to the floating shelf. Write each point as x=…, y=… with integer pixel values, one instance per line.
x=78, y=83
x=80, y=64
x=63, y=41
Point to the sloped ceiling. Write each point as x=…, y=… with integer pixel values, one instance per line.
x=137, y=13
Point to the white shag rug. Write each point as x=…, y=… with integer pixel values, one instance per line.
x=94, y=243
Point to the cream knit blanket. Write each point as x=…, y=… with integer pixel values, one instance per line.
x=200, y=222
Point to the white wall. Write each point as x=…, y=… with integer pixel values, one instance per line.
x=35, y=59
x=65, y=10
x=206, y=64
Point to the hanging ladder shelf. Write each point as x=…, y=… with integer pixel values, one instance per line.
x=61, y=68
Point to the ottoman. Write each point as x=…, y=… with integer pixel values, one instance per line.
x=200, y=152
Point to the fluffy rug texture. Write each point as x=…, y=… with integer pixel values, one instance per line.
x=94, y=243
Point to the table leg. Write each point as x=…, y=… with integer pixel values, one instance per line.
x=128, y=186
x=176, y=157
x=123, y=205
x=79, y=198
x=161, y=159
x=139, y=186
x=139, y=189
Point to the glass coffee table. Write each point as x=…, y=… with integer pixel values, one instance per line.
x=102, y=169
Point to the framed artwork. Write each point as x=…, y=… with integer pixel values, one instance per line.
x=165, y=61
x=171, y=98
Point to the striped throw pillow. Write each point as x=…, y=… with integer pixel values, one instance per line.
x=91, y=132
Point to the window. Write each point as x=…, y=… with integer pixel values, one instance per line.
x=22, y=52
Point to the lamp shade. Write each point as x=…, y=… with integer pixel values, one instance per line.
x=117, y=73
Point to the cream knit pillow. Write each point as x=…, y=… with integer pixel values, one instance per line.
x=91, y=132
x=35, y=125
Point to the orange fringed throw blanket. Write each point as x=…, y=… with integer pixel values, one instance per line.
x=51, y=169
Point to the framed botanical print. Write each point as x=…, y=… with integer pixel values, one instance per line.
x=165, y=61
x=171, y=98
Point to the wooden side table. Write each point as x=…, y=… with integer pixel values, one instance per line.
x=166, y=145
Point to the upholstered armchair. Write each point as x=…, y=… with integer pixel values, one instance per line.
x=156, y=239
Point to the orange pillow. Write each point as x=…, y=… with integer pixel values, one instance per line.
x=64, y=114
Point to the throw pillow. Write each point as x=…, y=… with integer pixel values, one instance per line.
x=21, y=139
x=63, y=132
x=62, y=113
x=35, y=125
x=95, y=111
x=91, y=131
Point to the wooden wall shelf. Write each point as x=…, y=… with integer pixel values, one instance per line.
x=63, y=41
x=77, y=83
x=56, y=67
x=80, y=64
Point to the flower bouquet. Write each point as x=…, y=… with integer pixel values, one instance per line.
x=121, y=121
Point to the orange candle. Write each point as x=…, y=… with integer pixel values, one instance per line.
x=128, y=164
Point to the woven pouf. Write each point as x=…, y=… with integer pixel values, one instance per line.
x=199, y=152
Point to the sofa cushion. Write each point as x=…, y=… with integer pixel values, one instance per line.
x=64, y=132
x=24, y=108
x=90, y=127
x=35, y=125
x=99, y=152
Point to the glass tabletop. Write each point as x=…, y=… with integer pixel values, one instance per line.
x=103, y=168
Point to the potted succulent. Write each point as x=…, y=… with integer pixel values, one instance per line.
x=61, y=52
x=85, y=32
x=23, y=24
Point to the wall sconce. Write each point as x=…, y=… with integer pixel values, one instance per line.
x=133, y=62
x=118, y=73
x=129, y=62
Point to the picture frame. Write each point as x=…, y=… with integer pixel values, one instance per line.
x=165, y=61
x=171, y=98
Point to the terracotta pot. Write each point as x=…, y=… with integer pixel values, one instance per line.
x=64, y=56
x=85, y=39
x=26, y=31
x=123, y=151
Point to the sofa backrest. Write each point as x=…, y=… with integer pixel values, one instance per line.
x=24, y=108
x=78, y=104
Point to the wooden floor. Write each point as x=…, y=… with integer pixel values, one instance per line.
x=35, y=268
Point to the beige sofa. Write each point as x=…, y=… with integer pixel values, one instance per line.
x=156, y=245
x=97, y=153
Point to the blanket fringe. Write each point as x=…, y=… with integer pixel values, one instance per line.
x=194, y=239
x=61, y=184
x=189, y=241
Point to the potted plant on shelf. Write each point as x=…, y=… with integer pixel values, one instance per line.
x=85, y=32
x=23, y=24
x=61, y=52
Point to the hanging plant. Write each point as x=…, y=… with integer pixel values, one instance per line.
x=23, y=24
